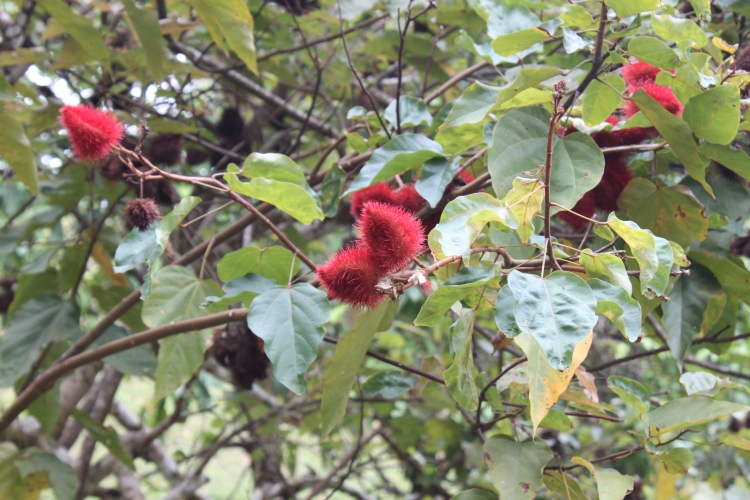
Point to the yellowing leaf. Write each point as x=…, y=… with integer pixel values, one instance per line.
x=718, y=42
x=545, y=383
x=99, y=254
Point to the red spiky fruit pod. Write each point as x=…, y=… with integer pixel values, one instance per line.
x=408, y=198
x=379, y=192
x=585, y=207
x=638, y=74
x=92, y=132
x=663, y=95
x=392, y=234
x=351, y=275
x=616, y=176
x=466, y=176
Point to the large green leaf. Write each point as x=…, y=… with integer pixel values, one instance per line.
x=145, y=27
x=273, y=262
x=139, y=360
x=559, y=311
x=437, y=173
x=177, y=295
x=60, y=475
x=512, y=43
x=105, y=435
x=734, y=279
x=291, y=198
x=78, y=27
x=611, y=485
x=714, y=115
x=180, y=356
x=290, y=320
x=479, y=99
x=16, y=150
x=677, y=133
x=618, y=306
x=505, y=316
x=642, y=246
x=564, y=485
x=402, y=153
x=34, y=325
x=273, y=166
x=654, y=52
x=390, y=384
x=459, y=377
x=463, y=219
x=672, y=212
x=231, y=26
x=519, y=144
x=546, y=383
x=516, y=468
x=413, y=112
x=735, y=160
x=606, y=266
x=675, y=29
x=625, y=8
x=685, y=310
x=600, y=100
x=342, y=369
x=475, y=494
x=631, y=391
x=689, y=412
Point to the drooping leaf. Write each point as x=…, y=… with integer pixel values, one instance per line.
x=438, y=304
x=273, y=262
x=107, y=436
x=231, y=26
x=546, y=384
x=34, y=325
x=16, y=150
x=688, y=412
x=735, y=160
x=676, y=132
x=290, y=320
x=600, y=100
x=286, y=196
x=516, y=468
x=78, y=27
x=437, y=173
x=653, y=51
x=180, y=356
x=671, y=212
x=631, y=391
x=714, y=115
x=606, y=266
x=611, y=485
x=342, y=369
x=643, y=246
x=618, y=306
x=459, y=377
x=519, y=144
x=559, y=311
x=145, y=27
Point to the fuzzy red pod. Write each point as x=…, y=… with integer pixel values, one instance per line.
x=408, y=198
x=92, y=132
x=616, y=176
x=585, y=207
x=141, y=212
x=379, y=192
x=350, y=276
x=661, y=94
x=638, y=74
x=392, y=234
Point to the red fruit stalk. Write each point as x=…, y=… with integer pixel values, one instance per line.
x=93, y=133
x=392, y=235
x=350, y=276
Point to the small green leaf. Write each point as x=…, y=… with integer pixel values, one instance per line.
x=180, y=356
x=577, y=17
x=606, y=266
x=287, y=197
x=611, y=485
x=625, y=8
x=675, y=29
x=290, y=320
x=689, y=412
x=342, y=369
x=438, y=304
x=525, y=202
x=78, y=27
x=437, y=173
x=15, y=148
x=107, y=436
x=559, y=311
x=653, y=51
x=557, y=421
x=459, y=377
x=23, y=56
x=614, y=303
x=714, y=115
x=600, y=100
x=231, y=26
x=402, y=153
x=734, y=440
x=564, y=485
x=170, y=126
x=391, y=385
x=273, y=262
x=516, y=468
x=413, y=111
x=512, y=43
x=631, y=391
x=642, y=245
x=677, y=133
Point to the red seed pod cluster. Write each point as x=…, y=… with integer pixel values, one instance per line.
x=92, y=132
x=616, y=174
x=390, y=237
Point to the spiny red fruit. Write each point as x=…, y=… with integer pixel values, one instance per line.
x=350, y=276
x=93, y=133
x=616, y=176
x=638, y=74
x=585, y=207
x=392, y=235
x=408, y=198
x=663, y=95
x=141, y=212
x=379, y=192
